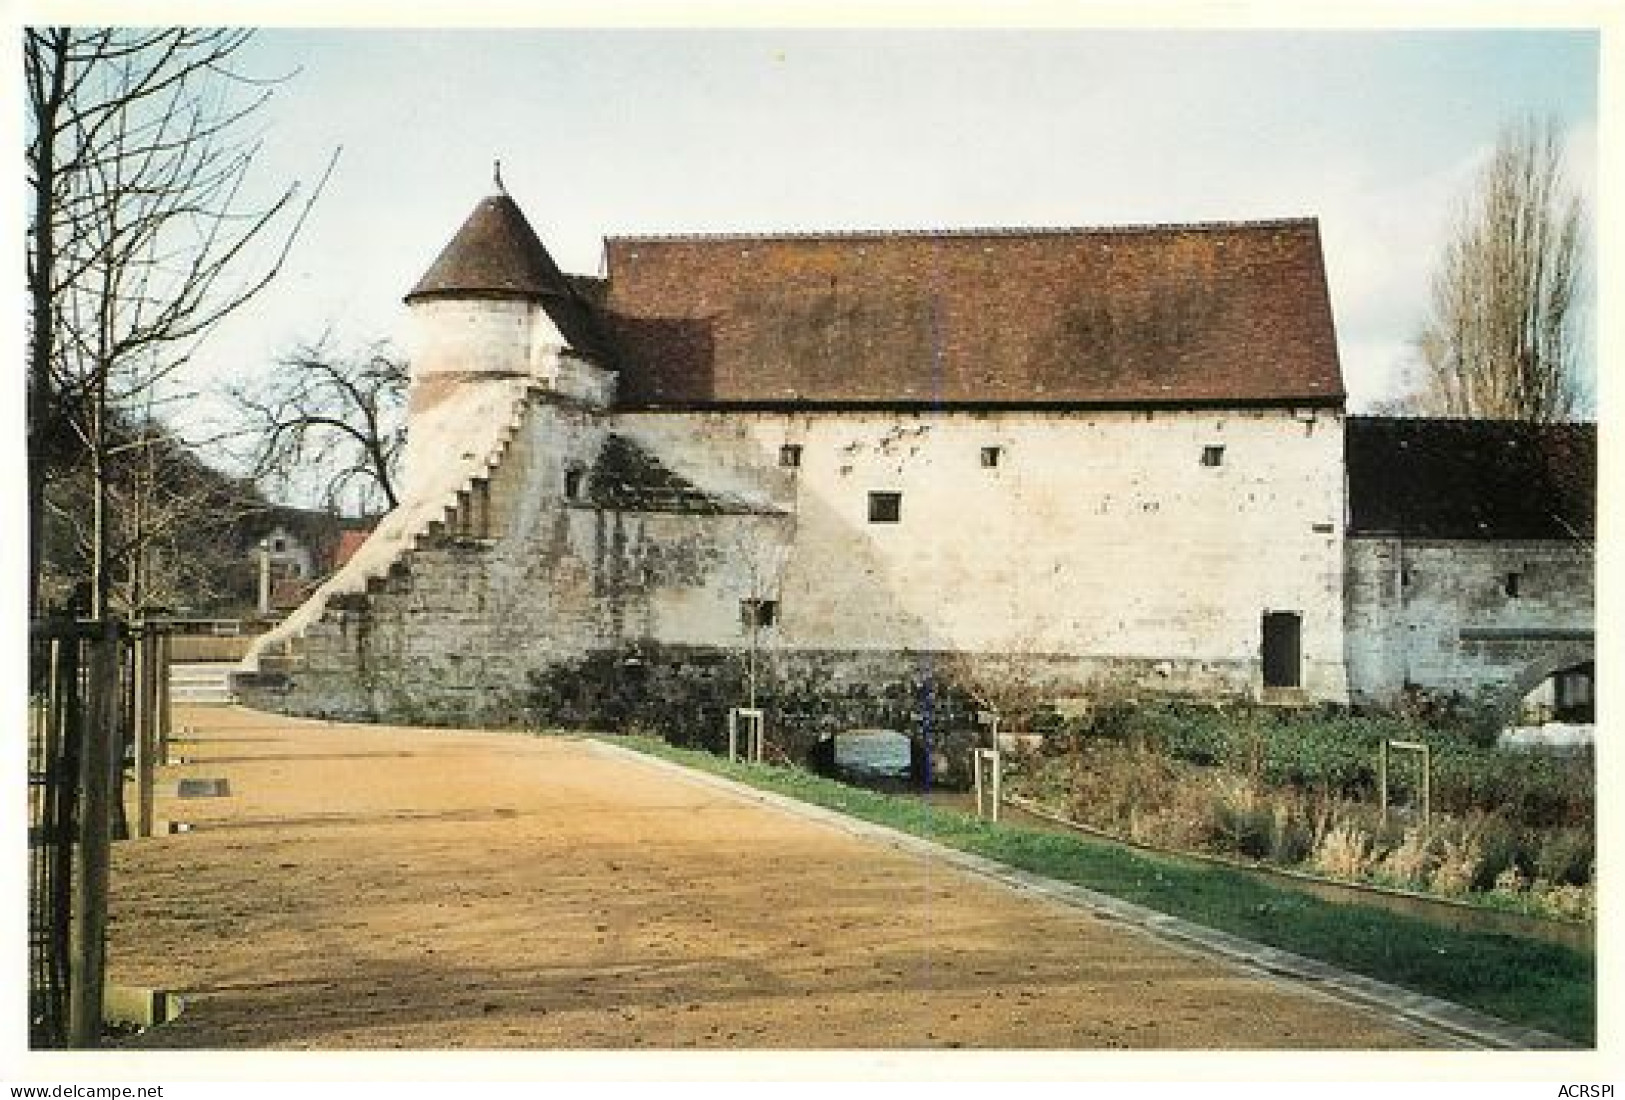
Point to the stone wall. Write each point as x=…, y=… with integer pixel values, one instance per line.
x=519, y=580
x=1100, y=536
x=1076, y=550
x=1458, y=617
x=684, y=693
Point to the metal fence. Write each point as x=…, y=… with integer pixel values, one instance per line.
x=98, y=701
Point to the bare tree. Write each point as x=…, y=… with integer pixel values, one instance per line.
x=329, y=417
x=143, y=234
x=1501, y=340
x=176, y=528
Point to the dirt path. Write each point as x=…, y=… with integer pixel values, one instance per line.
x=374, y=887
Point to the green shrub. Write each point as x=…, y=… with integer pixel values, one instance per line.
x=1565, y=857
x=1196, y=735
x=1535, y=789
x=1502, y=848
x=1338, y=754
x=1112, y=720
x=1243, y=824
x=1292, y=838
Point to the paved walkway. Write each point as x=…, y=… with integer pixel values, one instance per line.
x=378, y=888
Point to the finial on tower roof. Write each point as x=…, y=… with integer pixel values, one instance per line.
x=495, y=254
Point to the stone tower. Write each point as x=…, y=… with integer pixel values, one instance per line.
x=495, y=308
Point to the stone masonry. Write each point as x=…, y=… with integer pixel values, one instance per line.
x=568, y=552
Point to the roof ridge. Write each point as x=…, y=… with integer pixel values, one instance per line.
x=974, y=231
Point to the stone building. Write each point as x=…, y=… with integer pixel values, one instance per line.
x=1470, y=560
x=844, y=472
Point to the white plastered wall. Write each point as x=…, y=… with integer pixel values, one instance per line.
x=1097, y=533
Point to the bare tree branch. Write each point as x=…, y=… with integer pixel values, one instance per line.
x=144, y=233
x=329, y=418
x=1502, y=338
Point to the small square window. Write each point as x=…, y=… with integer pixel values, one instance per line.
x=790, y=455
x=279, y=545
x=1213, y=454
x=573, y=481
x=991, y=457
x=758, y=613
x=885, y=507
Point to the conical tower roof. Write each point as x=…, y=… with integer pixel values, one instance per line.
x=496, y=254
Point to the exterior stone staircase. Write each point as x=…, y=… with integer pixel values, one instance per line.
x=453, y=430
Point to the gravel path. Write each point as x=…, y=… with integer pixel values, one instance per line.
x=383, y=888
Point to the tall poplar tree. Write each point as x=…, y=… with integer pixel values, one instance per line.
x=1502, y=336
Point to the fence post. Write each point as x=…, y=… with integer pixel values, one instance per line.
x=146, y=700
x=998, y=781
x=165, y=714
x=1382, y=779
x=68, y=715
x=100, y=765
x=1427, y=790
x=752, y=719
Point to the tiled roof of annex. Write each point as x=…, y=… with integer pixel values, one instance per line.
x=1471, y=479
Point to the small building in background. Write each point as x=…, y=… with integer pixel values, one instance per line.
x=300, y=547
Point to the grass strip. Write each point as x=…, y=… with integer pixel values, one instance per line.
x=1528, y=982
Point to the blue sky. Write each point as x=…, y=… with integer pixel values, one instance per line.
x=1376, y=133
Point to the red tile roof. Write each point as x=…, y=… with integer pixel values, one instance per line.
x=495, y=252
x=1209, y=314
x=349, y=542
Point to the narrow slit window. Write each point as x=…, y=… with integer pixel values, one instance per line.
x=790, y=456
x=885, y=507
x=1514, y=585
x=1213, y=454
x=574, y=479
x=755, y=613
x=991, y=457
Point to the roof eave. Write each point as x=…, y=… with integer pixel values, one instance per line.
x=1334, y=402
